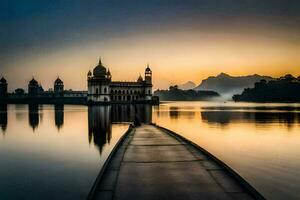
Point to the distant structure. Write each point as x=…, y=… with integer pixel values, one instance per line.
x=33, y=87
x=101, y=88
x=58, y=86
x=3, y=87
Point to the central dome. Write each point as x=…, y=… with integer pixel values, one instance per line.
x=99, y=70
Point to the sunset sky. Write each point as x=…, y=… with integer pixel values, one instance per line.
x=180, y=39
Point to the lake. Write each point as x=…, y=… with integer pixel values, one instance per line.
x=53, y=152
x=56, y=152
x=259, y=141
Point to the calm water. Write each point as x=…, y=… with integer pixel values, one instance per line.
x=259, y=141
x=56, y=152
x=49, y=152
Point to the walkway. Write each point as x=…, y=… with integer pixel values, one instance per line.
x=152, y=164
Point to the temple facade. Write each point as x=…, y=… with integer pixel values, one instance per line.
x=102, y=89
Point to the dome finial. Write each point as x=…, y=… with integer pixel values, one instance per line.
x=100, y=62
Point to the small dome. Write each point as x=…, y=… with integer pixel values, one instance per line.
x=33, y=82
x=148, y=68
x=108, y=73
x=58, y=81
x=3, y=80
x=140, y=79
x=99, y=70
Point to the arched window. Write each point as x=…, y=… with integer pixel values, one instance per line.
x=119, y=92
x=105, y=90
x=120, y=98
x=105, y=99
x=97, y=91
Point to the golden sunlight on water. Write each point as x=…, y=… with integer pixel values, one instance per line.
x=261, y=142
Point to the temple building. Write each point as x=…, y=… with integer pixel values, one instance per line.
x=102, y=89
x=33, y=87
x=58, y=86
x=3, y=87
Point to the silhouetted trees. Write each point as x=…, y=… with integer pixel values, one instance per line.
x=284, y=89
x=176, y=94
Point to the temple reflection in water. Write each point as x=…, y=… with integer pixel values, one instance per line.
x=224, y=118
x=33, y=115
x=3, y=117
x=101, y=118
x=59, y=115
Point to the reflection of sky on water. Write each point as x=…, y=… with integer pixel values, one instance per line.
x=260, y=141
x=56, y=151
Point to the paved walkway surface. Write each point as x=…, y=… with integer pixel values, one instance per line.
x=152, y=164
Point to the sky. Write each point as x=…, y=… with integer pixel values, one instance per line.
x=182, y=40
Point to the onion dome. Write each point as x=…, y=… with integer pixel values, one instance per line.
x=140, y=79
x=58, y=81
x=3, y=80
x=89, y=73
x=99, y=70
x=33, y=82
x=148, y=68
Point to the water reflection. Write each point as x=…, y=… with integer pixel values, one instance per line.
x=59, y=115
x=176, y=113
x=33, y=115
x=21, y=111
x=127, y=113
x=99, y=123
x=259, y=141
x=224, y=118
x=3, y=117
x=100, y=119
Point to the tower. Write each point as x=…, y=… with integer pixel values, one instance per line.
x=3, y=87
x=58, y=86
x=148, y=81
x=148, y=75
x=33, y=87
x=108, y=75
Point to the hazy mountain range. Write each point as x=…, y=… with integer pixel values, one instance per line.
x=187, y=86
x=227, y=85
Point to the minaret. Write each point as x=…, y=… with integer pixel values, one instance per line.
x=58, y=86
x=148, y=80
x=3, y=87
x=148, y=75
x=108, y=75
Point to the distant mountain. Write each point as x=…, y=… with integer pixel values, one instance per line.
x=187, y=86
x=227, y=85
